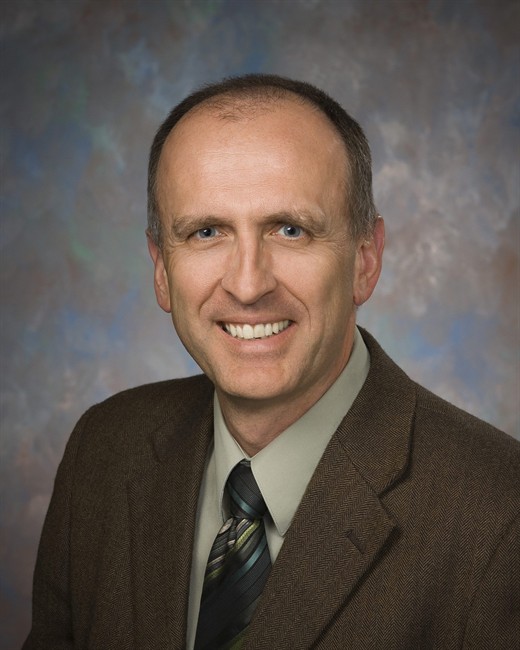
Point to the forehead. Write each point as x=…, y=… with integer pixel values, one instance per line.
x=241, y=123
x=256, y=159
x=280, y=158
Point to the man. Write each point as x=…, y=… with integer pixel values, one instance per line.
x=304, y=493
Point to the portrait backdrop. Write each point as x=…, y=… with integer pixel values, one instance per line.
x=435, y=84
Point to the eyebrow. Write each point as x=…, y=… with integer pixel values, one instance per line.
x=313, y=222
x=185, y=225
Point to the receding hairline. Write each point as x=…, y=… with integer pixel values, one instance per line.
x=248, y=104
x=244, y=103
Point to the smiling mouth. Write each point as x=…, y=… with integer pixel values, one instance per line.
x=258, y=331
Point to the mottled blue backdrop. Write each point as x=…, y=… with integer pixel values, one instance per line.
x=85, y=84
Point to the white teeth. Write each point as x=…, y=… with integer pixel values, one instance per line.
x=248, y=332
x=258, y=331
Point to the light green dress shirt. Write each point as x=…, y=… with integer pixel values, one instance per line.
x=282, y=470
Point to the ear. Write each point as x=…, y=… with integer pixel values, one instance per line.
x=369, y=260
x=160, y=276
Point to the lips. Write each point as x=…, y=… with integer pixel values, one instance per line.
x=258, y=331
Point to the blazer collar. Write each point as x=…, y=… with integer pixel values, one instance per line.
x=376, y=432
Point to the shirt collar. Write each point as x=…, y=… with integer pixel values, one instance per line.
x=284, y=468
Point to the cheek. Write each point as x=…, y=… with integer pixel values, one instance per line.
x=318, y=279
x=192, y=280
x=335, y=300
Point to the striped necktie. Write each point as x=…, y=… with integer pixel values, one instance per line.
x=238, y=566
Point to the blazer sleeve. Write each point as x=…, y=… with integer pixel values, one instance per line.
x=51, y=615
x=494, y=620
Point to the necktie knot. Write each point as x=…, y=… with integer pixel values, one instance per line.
x=245, y=498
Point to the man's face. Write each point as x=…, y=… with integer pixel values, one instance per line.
x=257, y=266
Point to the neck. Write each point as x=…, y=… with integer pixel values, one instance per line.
x=255, y=428
x=256, y=423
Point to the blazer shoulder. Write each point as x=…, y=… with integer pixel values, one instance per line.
x=123, y=423
x=159, y=400
x=444, y=440
x=442, y=423
x=470, y=454
x=453, y=422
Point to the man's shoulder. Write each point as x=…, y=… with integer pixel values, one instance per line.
x=158, y=398
x=460, y=432
x=432, y=411
x=445, y=441
x=124, y=419
x=463, y=475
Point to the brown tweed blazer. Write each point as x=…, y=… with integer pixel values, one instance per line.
x=407, y=537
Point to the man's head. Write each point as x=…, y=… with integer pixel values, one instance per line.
x=238, y=97
x=256, y=260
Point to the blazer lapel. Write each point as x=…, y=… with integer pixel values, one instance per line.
x=341, y=527
x=163, y=507
x=326, y=552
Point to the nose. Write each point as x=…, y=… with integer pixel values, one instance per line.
x=249, y=274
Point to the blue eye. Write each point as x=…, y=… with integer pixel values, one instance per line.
x=206, y=233
x=292, y=232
